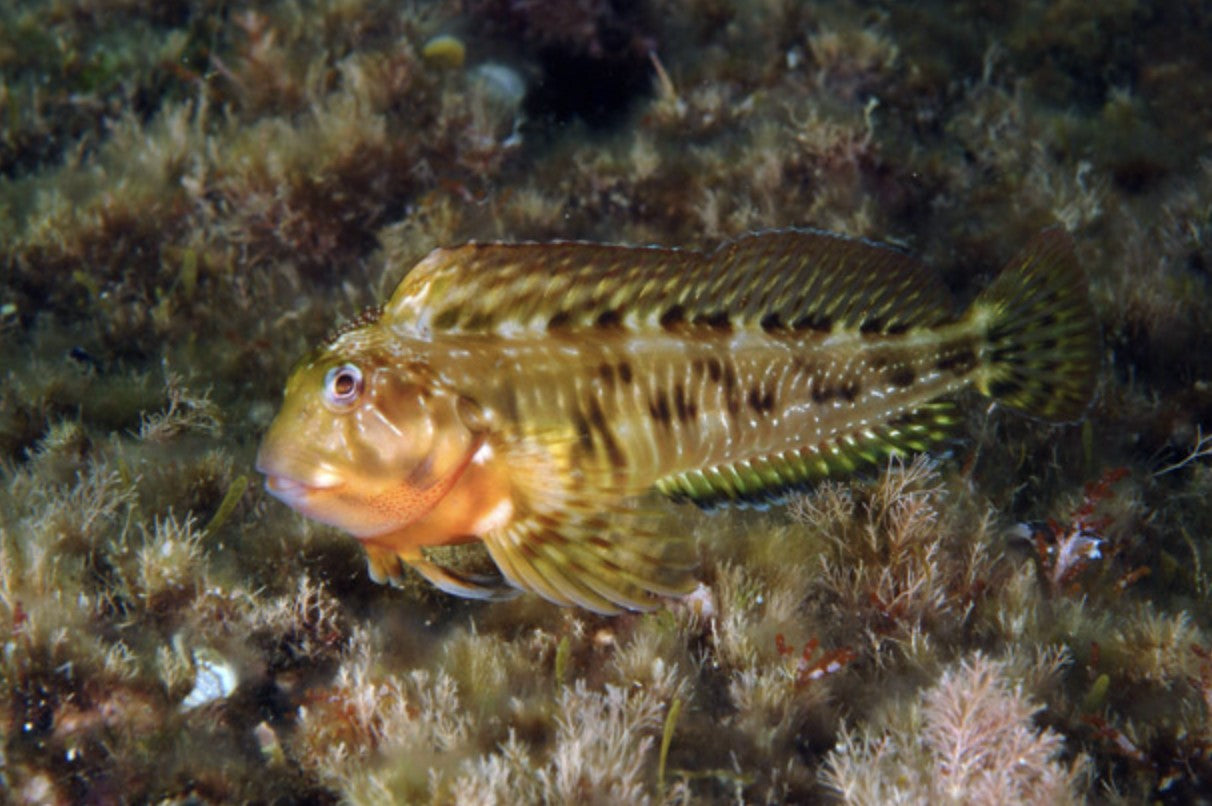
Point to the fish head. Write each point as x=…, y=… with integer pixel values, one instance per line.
x=366, y=440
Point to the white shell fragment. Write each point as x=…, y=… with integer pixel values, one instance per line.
x=499, y=83
x=215, y=678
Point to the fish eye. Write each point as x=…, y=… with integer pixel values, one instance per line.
x=342, y=386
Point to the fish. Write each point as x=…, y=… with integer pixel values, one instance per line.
x=539, y=397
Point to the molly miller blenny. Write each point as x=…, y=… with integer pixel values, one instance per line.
x=526, y=395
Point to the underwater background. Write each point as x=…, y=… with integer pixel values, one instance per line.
x=193, y=193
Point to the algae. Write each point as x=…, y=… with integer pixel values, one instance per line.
x=193, y=193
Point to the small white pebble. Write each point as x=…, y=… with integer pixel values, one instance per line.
x=214, y=679
x=501, y=83
x=700, y=601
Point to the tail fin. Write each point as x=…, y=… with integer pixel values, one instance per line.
x=1041, y=337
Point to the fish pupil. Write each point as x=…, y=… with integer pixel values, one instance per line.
x=344, y=384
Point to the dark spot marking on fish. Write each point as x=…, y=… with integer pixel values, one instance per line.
x=447, y=319
x=902, y=377
x=547, y=520
x=772, y=322
x=762, y=402
x=597, y=421
x=686, y=409
x=658, y=407
x=478, y=322
x=673, y=317
x=960, y=362
x=584, y=434
x=818, y=322
x=822, y=393
x=715, y=369
x=606, y=373
x=559, y=320
x=609, y=319
x=871, y=325
x=879, y=362
x=715, y=319
x=697, y=367
x=625, y=371
x=509, y=401
x=850, y=391
x=896, y=329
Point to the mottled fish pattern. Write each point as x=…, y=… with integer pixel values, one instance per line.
x=526, y=395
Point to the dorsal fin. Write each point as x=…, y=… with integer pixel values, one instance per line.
x=780, y=279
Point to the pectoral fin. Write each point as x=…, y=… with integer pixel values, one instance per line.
x=575, y=540
x=593, y=563
x=383, y=565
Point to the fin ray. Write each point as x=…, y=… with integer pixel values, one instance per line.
x=1041, y=333
x=569, y=566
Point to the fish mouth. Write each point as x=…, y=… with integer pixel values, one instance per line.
x=289, y=484
x=291, y=490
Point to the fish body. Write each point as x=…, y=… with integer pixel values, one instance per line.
x=527, y=395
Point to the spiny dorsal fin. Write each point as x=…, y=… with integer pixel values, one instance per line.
x=765, y=479
x=780, y=279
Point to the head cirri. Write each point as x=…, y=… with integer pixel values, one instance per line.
x=363, y=440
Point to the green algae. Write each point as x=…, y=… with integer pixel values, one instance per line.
x=227, y=506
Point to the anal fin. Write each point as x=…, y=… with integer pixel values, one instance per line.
x=761, y=480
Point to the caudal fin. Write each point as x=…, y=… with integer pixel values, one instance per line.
x=1041, y=337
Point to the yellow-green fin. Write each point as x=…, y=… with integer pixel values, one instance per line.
x=594, y=563
x=779, y=279
x=1041, y=351
x=765, y=479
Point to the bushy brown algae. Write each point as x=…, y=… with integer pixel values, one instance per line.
x=191, y=194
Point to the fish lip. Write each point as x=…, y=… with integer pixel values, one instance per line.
x=287, y=487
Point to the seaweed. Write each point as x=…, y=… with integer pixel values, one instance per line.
x=192, y=194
